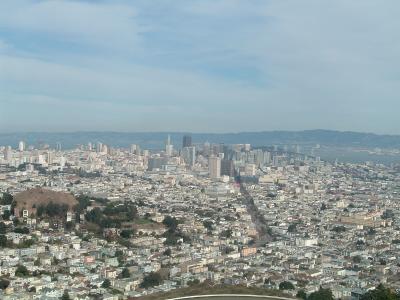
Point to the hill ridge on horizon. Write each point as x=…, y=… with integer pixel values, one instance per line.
x=320, y=130
x=155, y=140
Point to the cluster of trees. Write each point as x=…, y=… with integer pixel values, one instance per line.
x=286, y=285
x=7, y=199
x=52, y=210
x=84, y=201
x=97, y=217
x=6, y=243
x=292, y=228
x=22, y=230
x=380, y=293
x=4, y=283
x=113, y=216
x=339, y=229
x=226, y=233
x=321, y=294
x=208, y=225
x=125, y=273
x=21, y=271
x=152, y=279
x=3, y=238
x=173, y=235
x=65, y=296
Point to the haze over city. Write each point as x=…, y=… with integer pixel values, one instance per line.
x=202, y=149
x=199, y=66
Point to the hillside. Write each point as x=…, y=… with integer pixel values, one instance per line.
x=206, y=289
x=33, y=198
x=156, y=140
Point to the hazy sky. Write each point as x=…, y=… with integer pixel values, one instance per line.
x=200, y=65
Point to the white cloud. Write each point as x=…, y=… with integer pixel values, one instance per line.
x=106, y=25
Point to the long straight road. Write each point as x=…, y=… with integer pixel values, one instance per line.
x=256, y=216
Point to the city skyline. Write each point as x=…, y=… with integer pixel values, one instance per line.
x=206, y=66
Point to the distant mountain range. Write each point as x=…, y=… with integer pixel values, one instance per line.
x=155, y=140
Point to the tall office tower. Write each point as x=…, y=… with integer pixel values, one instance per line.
x=21, y=146
x=227, y=167
x=99, y=147
x=214, y=167
x=267, y=157
x=206, y=148
x=49, y=158
x=227, y=152
x=133, y=148
x=8, y=153
x=58, y=146
x=189, y=155
x=89, y=146
x=168, y=147
x=259, y=157
x=137, y=151
x=187, y=141
x=105, y=149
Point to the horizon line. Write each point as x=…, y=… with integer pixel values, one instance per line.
x=196, y=132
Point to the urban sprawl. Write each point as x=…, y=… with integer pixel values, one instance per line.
x=98, y=222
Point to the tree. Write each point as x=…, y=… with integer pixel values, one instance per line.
x=170, y=222
x=167, y=252
x=126, y=234
x=292, y=227
x=193, y=282
x=153, y=279
x=322, y=294
x=227, y=233
x=106, y=283
x=4, y=283
x=380, y=293
x=208, y=224
x=125, y=273
x=7, y=199
x=69, y=225
x=21, y=271
x=65, y=296
x=286, y=285
x=6, y=215
x=3, y=228
x=3, y=241
x=301, y=294
x=22, y=230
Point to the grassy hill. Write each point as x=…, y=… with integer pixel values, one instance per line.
x=33, y=198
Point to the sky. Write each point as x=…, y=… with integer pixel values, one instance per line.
x=199, y=65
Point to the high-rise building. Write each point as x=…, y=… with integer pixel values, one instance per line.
x=21, y=146
x=99, y=147
x=49, y=158
x=169, y=148
x=187, y=141
x=8, y=153
x=189, y=155
x=214, y=167
x=133, y=148
x=227, y=167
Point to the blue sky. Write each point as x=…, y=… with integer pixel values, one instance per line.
x=199, y=65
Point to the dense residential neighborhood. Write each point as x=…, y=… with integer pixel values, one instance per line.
x=98, y=222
